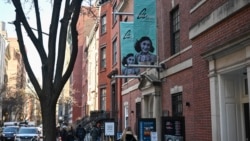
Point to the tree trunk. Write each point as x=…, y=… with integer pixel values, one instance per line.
x=49, y=121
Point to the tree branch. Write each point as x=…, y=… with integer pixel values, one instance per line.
x=27, y=27
x=77, y=5
x=62, y=42
x=38, y=21
x=24, y=55
x=49, y=66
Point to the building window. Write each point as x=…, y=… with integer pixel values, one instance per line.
x=175, y=31
x=138, y=109
x=114, y=52
x=113, y=100
x=103, y=58
x=104, y=23
x=177, y=104
x=126, y=116
x=114, y=15
x=103, y=99
x=246, y=86
x=138, y=114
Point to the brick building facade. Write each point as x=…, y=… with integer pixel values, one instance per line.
x=204, y=46
x=199, y=84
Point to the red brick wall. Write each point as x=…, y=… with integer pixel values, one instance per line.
x=197, y=115
x=184, y=79
x=232, y=27
x=77, y=83
x=79, y=80
x=105, y=39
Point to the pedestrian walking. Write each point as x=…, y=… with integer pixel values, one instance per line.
x=96, y=132
x=71, y=134
x=58, y=133
x=80, y=133
x=64, y=133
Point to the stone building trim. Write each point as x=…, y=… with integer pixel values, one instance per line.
x=177, y=68
x=200, y=3
x=224, y=11
x=138, y=99
x=130, y=89
x=176, y=89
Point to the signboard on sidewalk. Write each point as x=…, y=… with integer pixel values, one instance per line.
x=145, y=127
x=154, y=136
x=109, y=128
x=173, y=128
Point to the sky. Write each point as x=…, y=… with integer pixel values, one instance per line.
x=7, y=14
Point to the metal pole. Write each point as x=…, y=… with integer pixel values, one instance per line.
x=122, y=13
x=126, y=76
x=143, y=66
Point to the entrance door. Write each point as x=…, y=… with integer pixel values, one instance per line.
x=230, y=108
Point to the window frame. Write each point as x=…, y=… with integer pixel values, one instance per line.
x=103, y=98
x=103, y=58
x=177, y=104
x=114, y=51
x=103, y=23
x=175, y=30
x=246, y=86
x=114, y=20
x=126, y=115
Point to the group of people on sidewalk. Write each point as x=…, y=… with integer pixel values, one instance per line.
x=79, y=134
x=69, y=134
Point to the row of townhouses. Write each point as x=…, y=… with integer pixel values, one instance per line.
x=17, y=98
x=176, y=69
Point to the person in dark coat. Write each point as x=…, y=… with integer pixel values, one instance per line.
x=80, y=133
x=96, y=132
x=71, y=134
x=58, y=133
x=64, y=133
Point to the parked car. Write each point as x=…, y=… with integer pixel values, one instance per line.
x=9, y=132
x=28, y=134
x=10, y=123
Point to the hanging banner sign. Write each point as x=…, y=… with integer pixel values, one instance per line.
x=127, y=48
x=145, y=31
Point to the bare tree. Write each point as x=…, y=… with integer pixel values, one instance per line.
x=53, y=76
x=12, y=104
